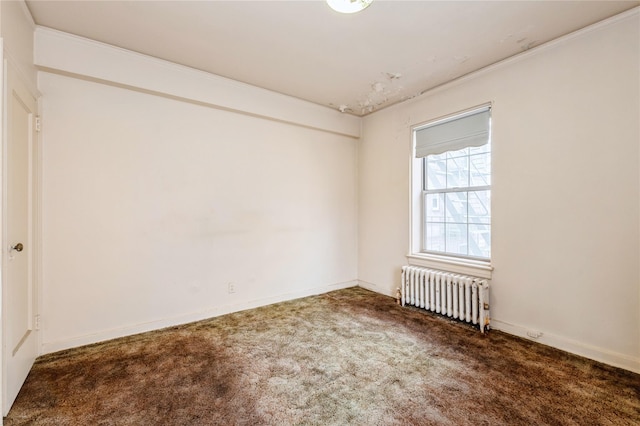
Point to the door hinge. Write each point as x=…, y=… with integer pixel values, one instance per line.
x=37, y=322
x=38, y=124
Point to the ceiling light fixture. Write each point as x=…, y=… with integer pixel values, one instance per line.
x=348, y=6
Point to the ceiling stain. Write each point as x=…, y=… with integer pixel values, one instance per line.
x=382, y=92
x=271, y=50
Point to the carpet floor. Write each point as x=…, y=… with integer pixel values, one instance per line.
x=349, y=357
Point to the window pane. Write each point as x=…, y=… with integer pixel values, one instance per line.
x=438, y=157
x=458, y=172
x=460, y=153
x=456, y=207
x=480, y=207
x=436, y=172
x=480, y=149
x=456, y=239
x=434, y=207
x=480, y=169
x=480, y=241
x=434, y=238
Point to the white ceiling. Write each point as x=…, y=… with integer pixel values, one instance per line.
x=390, y=52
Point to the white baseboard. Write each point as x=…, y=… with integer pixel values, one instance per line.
x=373, y=287
x=597, y=354
x=568, y=345
x=104, y=335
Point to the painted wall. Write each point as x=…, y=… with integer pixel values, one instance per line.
x=566, y=193
x=16, y=28
x=68, y=54
x=153, y=206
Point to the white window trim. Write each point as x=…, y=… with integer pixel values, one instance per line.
x=459, y=265
x=416, y=257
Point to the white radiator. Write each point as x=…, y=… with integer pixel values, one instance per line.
x=458, y=296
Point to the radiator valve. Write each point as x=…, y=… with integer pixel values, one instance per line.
x=398, y=295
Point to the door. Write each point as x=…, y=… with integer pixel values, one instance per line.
x=19, y=295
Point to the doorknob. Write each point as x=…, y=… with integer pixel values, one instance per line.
x=18, y=247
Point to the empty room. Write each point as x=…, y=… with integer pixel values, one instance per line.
x=340, y=212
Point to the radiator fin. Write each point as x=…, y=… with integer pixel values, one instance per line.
x=456, y=296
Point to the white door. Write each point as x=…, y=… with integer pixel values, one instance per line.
x=19, y=295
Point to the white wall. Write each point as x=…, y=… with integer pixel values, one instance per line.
x=17, y=29
x=151, y=206
x=72, y=55
x=566, y=190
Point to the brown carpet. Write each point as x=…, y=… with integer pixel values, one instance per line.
x=350, y=357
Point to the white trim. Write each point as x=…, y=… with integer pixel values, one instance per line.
x=373, y=287
x=476, y=268
x=104, y=335
x=5, y=242
x=26, y=81
x=27, y=13
x=416, y=257
x=604, y=356
x=3, y=91
x=597, y=354
x=37, y=224
x=78, y=57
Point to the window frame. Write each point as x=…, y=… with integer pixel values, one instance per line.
x=458, y=189
x=418, y=255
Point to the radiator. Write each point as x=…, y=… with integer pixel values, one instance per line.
x=457, y=296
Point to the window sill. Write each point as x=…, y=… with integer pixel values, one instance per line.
x=476, y=268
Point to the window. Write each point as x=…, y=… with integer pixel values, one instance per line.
x=456, y=185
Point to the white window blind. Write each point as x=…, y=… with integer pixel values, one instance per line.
x=469, y=130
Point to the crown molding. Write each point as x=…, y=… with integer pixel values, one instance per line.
x=552, y=44
x=73, y=56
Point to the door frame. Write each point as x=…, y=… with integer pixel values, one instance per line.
x=35, y=210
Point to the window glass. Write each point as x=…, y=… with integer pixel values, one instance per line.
x=480, y=169
x=479, y=240
x=457, y=172
x=456, y=241
x=436, y=172
x=435, y=237
x=479, y=207
x=456, y=207
x=434, y=207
